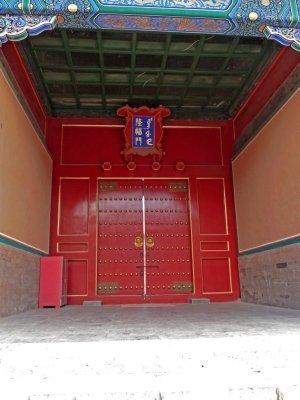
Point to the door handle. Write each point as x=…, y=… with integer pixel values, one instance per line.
x=138, y=241
x=149, y=242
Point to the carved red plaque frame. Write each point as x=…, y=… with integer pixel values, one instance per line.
x=150, y=141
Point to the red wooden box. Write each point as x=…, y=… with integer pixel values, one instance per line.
x=53, y=282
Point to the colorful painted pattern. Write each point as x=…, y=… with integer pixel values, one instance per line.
x=285, y=36
x=199, y=25
x=207, y=5
x=283, y=13
x=229, y=17
x=16, y=28
x=253, y=15
x=16, y=7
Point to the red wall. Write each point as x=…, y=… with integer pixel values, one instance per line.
x=283, y=65
x=24, y=81
x=79, y=147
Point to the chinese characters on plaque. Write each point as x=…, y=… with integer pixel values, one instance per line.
x=143, y=131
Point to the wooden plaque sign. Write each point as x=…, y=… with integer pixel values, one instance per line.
x=143, y=131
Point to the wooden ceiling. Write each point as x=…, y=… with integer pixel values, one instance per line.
x=81, y=73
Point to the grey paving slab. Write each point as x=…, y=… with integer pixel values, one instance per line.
x=230, y=351
x=135, y=322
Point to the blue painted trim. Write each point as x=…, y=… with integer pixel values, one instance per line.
x=21, y=246
x=272, y=246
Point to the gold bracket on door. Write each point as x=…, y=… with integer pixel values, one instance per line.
x=150, y=242
x=109, y=186
x=178, y=187
x=107, y=287
x=182, y=287
x=138, y=242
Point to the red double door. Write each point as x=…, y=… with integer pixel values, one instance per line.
x=144, y=245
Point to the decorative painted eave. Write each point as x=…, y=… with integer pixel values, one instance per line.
x=278, y=20
x=285, y=36
x=16, y=28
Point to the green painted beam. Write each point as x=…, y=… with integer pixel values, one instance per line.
x=101, y=64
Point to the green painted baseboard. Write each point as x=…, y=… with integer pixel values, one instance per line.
x=21, y=246
x=272, y=246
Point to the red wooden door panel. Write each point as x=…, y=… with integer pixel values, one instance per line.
x=169, y=264
x=120, y=238
x=144, y=238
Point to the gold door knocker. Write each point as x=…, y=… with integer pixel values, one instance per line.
x=138, y=242
x=150, y=242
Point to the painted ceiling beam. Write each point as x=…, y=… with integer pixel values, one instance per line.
x=278, y=20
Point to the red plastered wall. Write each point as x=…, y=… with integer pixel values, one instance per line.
x=79, y=148
x=283, y=65
x=24, y=80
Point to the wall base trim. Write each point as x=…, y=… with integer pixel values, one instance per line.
x=21, y=246
x=271, y=246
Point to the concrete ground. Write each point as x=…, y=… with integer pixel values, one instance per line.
x=224, y=351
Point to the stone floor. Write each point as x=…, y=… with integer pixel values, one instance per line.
x=224, y=351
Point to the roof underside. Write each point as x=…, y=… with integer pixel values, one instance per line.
x=92, y=73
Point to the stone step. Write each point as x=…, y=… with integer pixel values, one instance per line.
x=202, y=300
x=95, y=303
